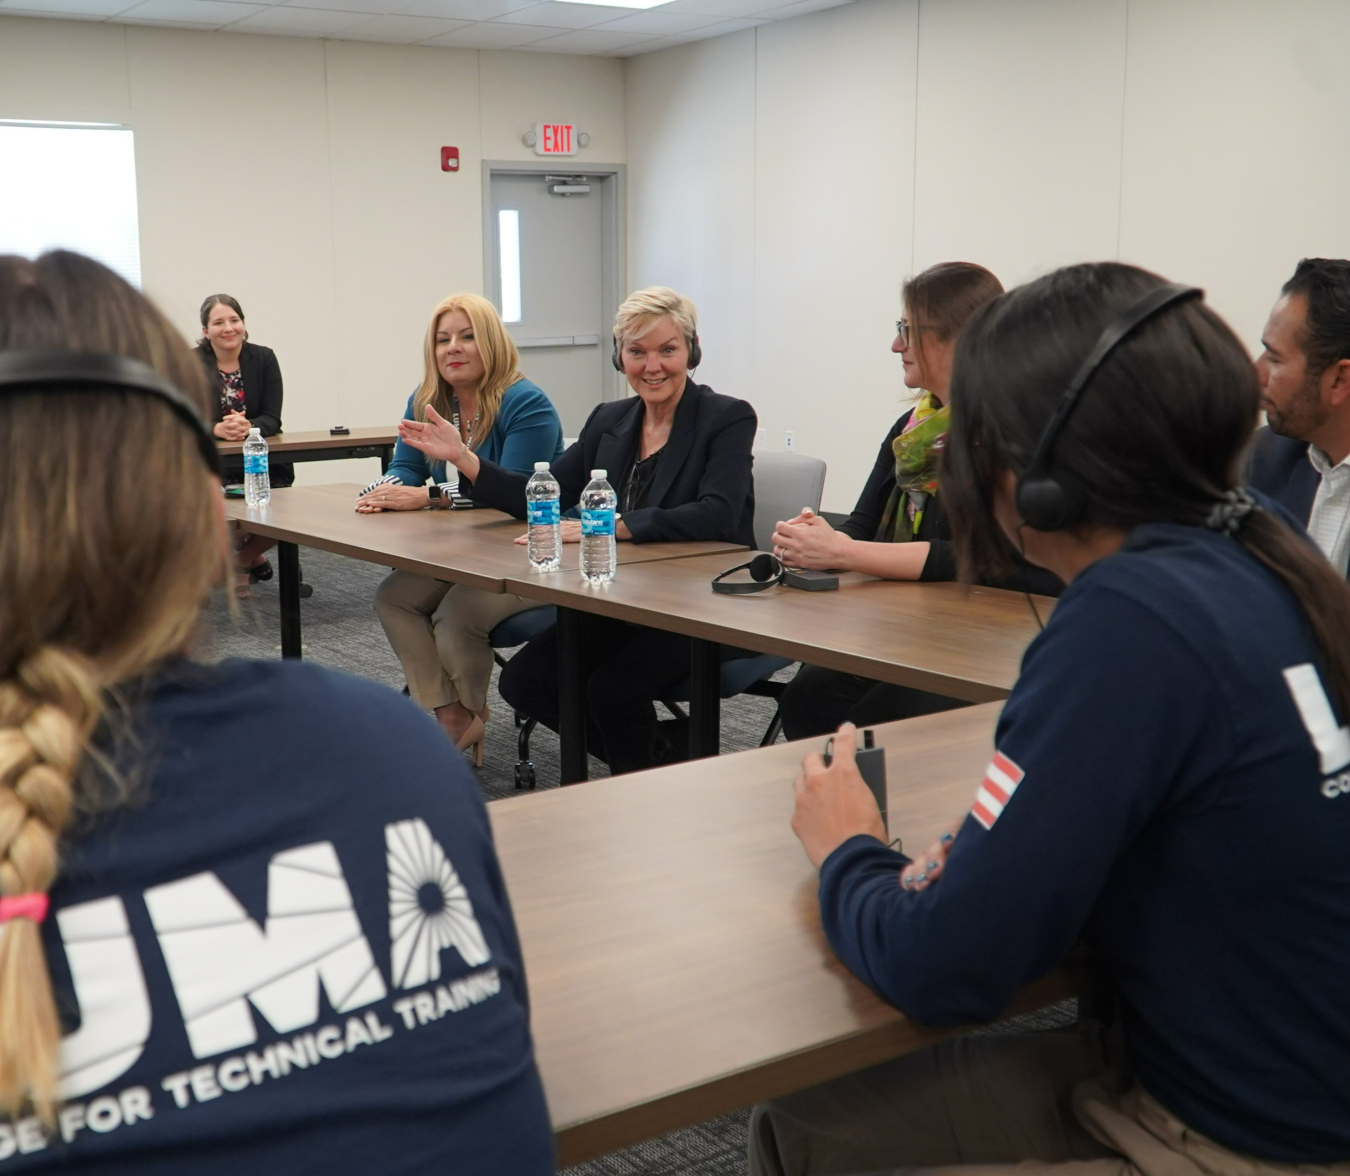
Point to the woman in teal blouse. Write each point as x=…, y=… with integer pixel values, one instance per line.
x=440, y=631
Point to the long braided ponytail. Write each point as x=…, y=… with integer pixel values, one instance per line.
x=110, y=538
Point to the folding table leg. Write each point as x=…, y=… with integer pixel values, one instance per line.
x=571, y=699
x=288, y=559
x=705, y=699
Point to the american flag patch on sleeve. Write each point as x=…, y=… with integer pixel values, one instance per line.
x=1001, y=779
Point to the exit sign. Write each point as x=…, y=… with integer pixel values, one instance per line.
x=555, y=139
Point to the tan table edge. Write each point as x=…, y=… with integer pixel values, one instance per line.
x=305, y=538
x=846, y=1055
x=803, y=650
x=319, y=439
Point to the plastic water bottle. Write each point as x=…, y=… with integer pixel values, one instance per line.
x=544, y=517
x=257, y=481
x=598, y=504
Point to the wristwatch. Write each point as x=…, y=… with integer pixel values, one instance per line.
x=434, y=493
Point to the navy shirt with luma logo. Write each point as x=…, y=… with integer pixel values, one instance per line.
x=1170, y=782
x=292, y=951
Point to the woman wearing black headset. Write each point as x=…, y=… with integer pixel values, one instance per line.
x=1170, y=783
x=678, y=456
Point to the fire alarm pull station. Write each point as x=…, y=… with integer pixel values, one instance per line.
x=450, y=159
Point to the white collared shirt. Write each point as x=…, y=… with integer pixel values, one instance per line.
x=1329, y=522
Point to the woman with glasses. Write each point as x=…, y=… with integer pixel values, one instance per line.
x=898, y=530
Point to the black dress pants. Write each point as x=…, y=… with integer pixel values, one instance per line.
x=818, y=700
x=625, y=668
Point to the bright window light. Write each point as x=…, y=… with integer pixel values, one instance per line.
x=622, y=3
x=508, y=233
x=70, y=186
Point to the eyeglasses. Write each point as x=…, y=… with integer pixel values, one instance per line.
x=906, y=331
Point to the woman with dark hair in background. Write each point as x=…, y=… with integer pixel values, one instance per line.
x=1170, y=783
x=248, y=379
x=899, y=530
x=177, y=911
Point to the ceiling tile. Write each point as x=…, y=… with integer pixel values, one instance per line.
x=399, y=30
x=466, y=9
x=778, y=10
x=562, y=16
x=288, y=20
x=729, y=8
x=721, y=28
x=587, y=41
x=360, y=7
x=493, y=36
x=659, y=21
x=94, y=9
x=213, y=14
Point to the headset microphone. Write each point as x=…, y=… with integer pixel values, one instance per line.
x=1051, y=502
x=765, y=571
x=27, y=371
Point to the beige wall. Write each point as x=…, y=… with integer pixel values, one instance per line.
x=304, y=177
x=1201, y=138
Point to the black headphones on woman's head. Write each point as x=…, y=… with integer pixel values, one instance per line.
x=28, y=371
x=1051, y=502
x=695, y=353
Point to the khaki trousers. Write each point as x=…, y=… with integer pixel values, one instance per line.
x=440, y=633
x=1032, y=1104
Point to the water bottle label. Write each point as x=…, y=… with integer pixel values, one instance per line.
x=255, y=463
x=597, y=522
x=543, y=513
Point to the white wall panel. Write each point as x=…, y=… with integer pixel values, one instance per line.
x=1235, y=133
x=410, y=233
x=691, y=152
x=1019, y=117
x=833, y=209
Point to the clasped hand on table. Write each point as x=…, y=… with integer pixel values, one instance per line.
x=834, y=804
x=233, y=426
x=808, y=541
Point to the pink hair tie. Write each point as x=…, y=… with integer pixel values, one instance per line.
x=24, y=906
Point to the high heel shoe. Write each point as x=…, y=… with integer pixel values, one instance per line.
x=471, y=742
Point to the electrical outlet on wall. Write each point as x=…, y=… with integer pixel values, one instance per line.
x=787, y=441
x=761, y=438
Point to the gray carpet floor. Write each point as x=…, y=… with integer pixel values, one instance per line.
x=340, y=630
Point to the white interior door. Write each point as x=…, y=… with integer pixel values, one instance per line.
x=547, y=276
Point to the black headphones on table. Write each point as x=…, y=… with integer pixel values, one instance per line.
x=765, y=571
x=695, y=353
x=1049, y=502
x=28, y=371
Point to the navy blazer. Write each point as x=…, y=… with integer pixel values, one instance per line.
x=262, y=403
x=1280, y=469
x=704, y=487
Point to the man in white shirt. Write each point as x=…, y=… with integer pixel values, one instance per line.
x=1303, y=459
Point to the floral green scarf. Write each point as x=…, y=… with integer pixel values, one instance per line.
x=917, y=450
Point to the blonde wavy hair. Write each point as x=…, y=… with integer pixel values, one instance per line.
x=500, y=363
x=110, y=538
x=642, y=309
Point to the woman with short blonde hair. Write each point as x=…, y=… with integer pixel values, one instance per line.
x=142, y=844
x=440, y=631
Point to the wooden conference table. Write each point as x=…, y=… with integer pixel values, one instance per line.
x=963, y=642
x=672, y=938
x=951, y=639
x=324, y=446
x=474, y=547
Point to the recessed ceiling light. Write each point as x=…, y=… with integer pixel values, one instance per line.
x=620, y=3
